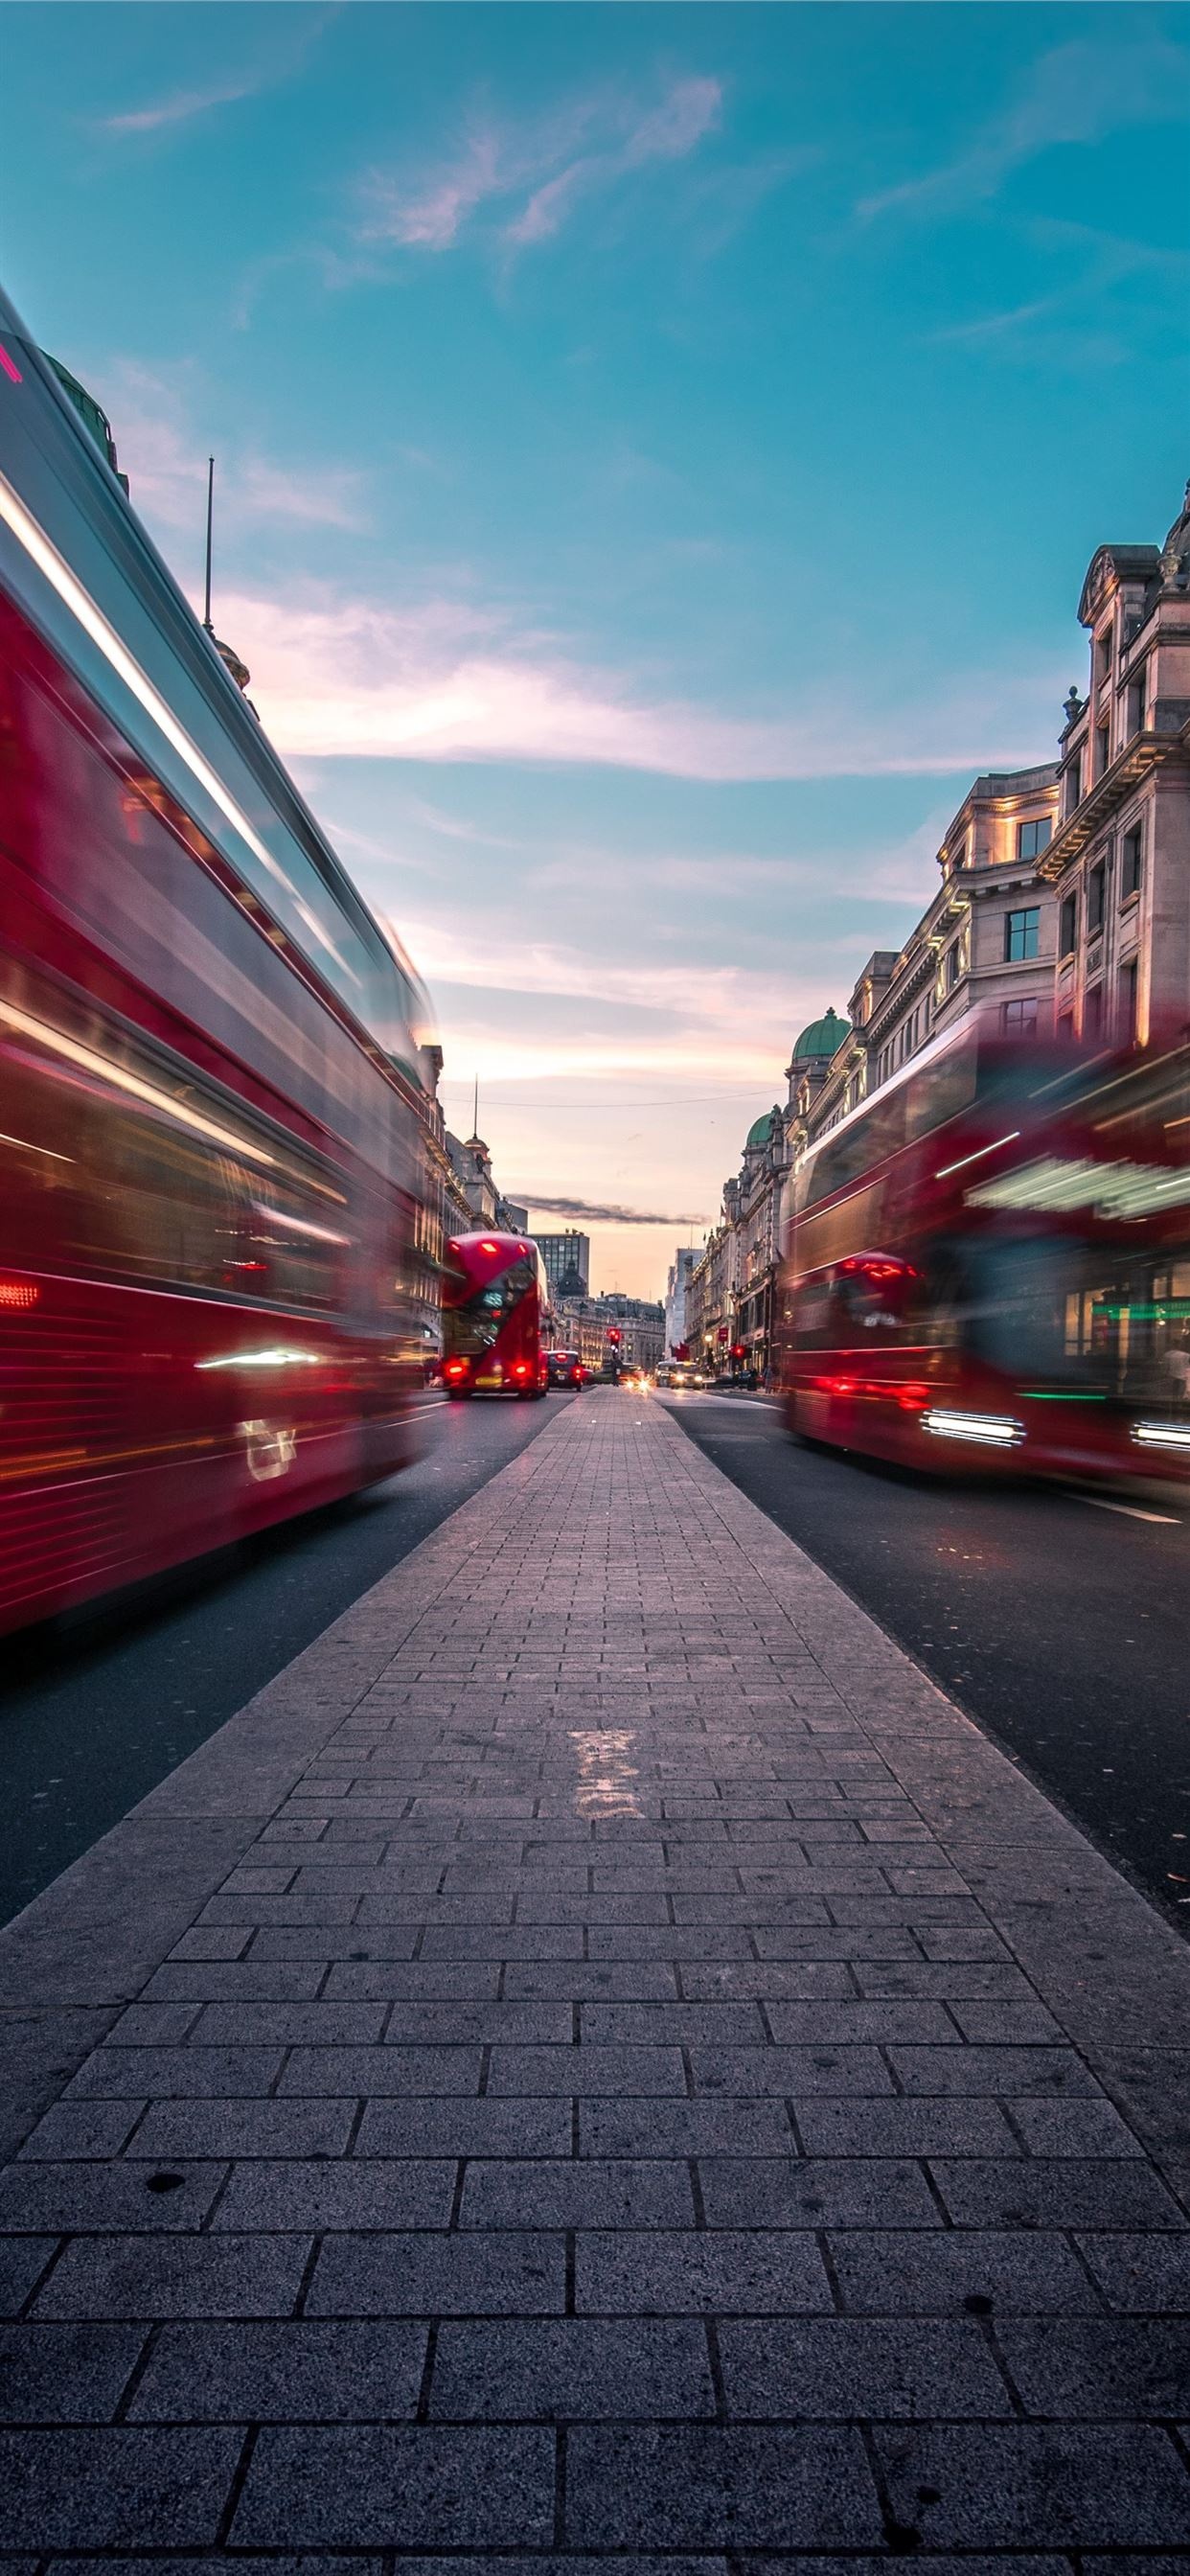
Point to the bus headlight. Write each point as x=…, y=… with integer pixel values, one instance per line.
x=990, y=1430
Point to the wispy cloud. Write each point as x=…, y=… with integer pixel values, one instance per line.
x=1076, y=93
x=181, y=106
x=167, y=466
x=1076, y=321
x=588, y=1212
x=528, y=177
x=343, y=677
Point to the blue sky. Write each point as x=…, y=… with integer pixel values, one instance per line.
x=659, y=451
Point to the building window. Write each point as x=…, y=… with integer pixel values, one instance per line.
x=1021, y=933
x=958, y=854
x=1126, y=1014
x=1033, y=838
x=1066, y=1024
x=1093, y=1010
x=1102, y=748
x=1073, y=784
x=1105, y=653
x=1096, y=881
x=1130, y=862
x=1018, y=1019
x=1068, y=926
x=1136, y=706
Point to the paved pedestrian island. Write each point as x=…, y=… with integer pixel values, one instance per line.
x=598, y=2061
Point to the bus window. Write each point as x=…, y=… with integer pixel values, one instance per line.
x=877, y=1298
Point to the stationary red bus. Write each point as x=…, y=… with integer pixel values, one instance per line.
x=989, y=1262
x=211, y=1166
x=496, y=1320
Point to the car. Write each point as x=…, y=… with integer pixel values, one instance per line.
x=564, y=1368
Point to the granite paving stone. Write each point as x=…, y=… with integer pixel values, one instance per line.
x=572, y=2367
x=338, y=2486
x=124, y=2194
x=1018, y=2486
x=496, y=2273
x=118, y=2486
x=1115, y=2366
x=983, y=2271
x=175, y=2276
x=305, y=2370
x=643, y=2082
x=336, y=2192
x=848, y=2367
x=196, y=2129
x=716, y=2272
x=573, y=2192
x=705, y=2486
x=65, y=2374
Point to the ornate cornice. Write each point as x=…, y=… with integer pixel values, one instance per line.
x=1145, y=752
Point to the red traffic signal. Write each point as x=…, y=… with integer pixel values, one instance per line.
x=613, y=1333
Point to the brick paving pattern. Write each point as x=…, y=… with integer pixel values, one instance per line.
x=599, y=2061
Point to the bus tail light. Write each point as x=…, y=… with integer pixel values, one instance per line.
x=520, y=1368
x=456, y=1369
x=989, y=1430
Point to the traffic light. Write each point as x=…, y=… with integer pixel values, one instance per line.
x=613, y=1335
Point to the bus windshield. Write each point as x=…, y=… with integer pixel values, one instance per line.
x=473, y=1324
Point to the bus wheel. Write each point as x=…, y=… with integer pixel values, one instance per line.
x=461, y=1394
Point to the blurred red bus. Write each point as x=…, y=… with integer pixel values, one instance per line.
x=989, y=1262
x=210, y=1141
x=496, y=1320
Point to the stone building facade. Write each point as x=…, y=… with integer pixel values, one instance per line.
x=1063, y=905
x=1119, y=860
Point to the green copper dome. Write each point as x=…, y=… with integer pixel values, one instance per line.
x=762, y=1128
x=823, y=1036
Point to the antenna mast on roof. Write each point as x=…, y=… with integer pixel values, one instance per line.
x=206, y=614
x=475, y=1110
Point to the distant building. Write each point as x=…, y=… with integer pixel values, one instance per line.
x=676, y=1288
x=486, y=1205
x=567, y=1259
x=583, y=1324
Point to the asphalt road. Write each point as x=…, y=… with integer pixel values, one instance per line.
x=96, y=1710
x=1060, y=1624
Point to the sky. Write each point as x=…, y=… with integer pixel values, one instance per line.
x=658, y=453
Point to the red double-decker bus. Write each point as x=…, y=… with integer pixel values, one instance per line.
x=989, y=1261
x=210, y=1141
x=496, y=1319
